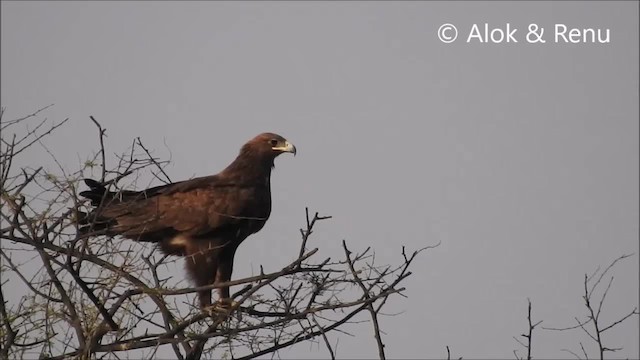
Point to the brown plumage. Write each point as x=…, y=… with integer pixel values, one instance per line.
x=202, y=219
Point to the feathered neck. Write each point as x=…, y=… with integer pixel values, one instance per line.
x=251, y=164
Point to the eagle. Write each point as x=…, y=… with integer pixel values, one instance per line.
x=203, y=219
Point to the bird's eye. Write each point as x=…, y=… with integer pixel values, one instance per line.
x=273, y=142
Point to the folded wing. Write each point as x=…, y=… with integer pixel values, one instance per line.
x=194, y=207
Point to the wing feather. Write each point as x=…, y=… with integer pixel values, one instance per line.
x=194, y=207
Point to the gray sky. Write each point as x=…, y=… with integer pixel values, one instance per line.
x=521, y=159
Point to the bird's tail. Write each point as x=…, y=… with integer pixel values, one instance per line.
x=96, y=192
x=109, y=209
x=92, y=222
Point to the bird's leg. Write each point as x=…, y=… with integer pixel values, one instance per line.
x=205, y=298
x=223, y=275
x=202, y=267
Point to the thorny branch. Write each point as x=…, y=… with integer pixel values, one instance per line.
x=98, y=296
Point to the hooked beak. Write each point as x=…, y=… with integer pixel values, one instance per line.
x=288, y=147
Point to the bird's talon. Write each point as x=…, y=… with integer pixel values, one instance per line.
x=214, y=310
x=227, y=304
x=221, y=307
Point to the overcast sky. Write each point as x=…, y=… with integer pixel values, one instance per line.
x=520, y=158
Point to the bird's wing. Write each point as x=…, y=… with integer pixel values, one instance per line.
x=197, y=206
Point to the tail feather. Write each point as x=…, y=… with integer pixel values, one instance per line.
x=109, y=207
x=96, y=193
x=92, y=221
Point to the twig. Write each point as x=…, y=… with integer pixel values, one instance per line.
x=101, y=133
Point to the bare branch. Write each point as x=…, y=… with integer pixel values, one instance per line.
x=102, y=134
x=593, y=316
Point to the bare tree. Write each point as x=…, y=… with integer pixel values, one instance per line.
x=68, y=295
x=591, y=324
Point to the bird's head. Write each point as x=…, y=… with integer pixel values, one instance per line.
x=258, y=154
x=271, y=144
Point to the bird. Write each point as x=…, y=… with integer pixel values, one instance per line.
x=203, y=219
